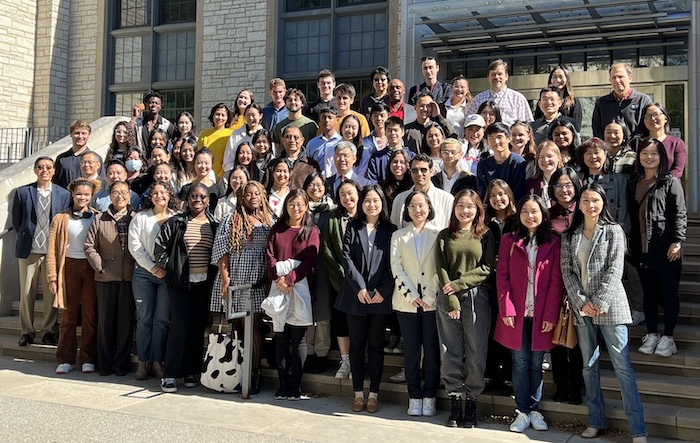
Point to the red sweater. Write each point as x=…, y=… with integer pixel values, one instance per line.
x=282, y=245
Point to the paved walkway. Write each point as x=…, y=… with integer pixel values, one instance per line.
x=40, y=406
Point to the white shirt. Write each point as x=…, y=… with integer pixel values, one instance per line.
x=456, y=115
x=442, y=206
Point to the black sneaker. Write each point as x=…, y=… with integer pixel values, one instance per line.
x=25, y=340
x=49, y=339
x=281, y=393
x=294, y=394
x=190, y=381
x=469, y=414
x=455, y=417
x=168, y=385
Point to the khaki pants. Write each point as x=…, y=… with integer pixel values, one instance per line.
x=318, y=338
x=31, y=269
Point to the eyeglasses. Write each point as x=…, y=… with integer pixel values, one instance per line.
x=653, y=116
x=449, y=153
x=417, y=207
x=88, y=162
x=292, y=137
x=120, y=193
x=199, y=197
x=564, y=187
x=419, y=171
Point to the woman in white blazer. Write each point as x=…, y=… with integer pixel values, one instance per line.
x=414, y=265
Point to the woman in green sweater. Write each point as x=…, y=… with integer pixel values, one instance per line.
x=466, y=258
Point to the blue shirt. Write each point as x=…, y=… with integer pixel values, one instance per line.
x=319, y=146
x=272, y=116
x=512, y=171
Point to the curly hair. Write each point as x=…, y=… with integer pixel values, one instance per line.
x=241, y=225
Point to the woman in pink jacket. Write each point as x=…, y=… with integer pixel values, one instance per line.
x=529, y=295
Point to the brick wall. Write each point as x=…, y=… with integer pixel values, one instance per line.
x=234, y=43
x=17, y=34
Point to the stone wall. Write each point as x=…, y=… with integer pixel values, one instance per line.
x=233, y=48
x=17, y=34
x=82, y=57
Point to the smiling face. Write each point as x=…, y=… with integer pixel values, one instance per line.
x=154, y=105
x=252, y=199
x=159, y=156
x=460, y=89
x=614, y=135
x=398, y=166
x=296, y=208
x=160, y=196
x=158, y=140
x=499, y=142
x=348, y=197
x=531, y=216
x=82, y=195
x=520, y=137
x=277, y=95
x=378, y=119
x=562, y=137
x=252, y=118
x=120, y=196
x=434, y=138
x=262, y=146
x=187, y=153
x=163, y=173
x=237, y=179
x=343, y=101
x=423, y=108
x=121, y=134
x=89, y=165
x=197, y=200
x=380, y=84
x=245, y=155
x=488, y=114
x=326, y=85
x=394, y=135
x=498, y=78
x=220, y=118
x=594, y=158
x=44, y=170
x=292, y=141
x=591, y=204
x=418, y=209
x=498, y=198
x=281, y=174
x=474, y=134
x=202, y=165
x=564, y=191
x=466, y=211
x=550, y=102
x=654, y=119
x=548, y=161
x=80, y=137
x=293, y=103
x=184, y=125
x=316, y=189
x=558, y=78
x=396, y=90
x=650, y=158
x=243, y=100
x=350, y=129
x=372, y=205
x=420, y=173
x=116, y=173
x=344, y=160
x=430, y=70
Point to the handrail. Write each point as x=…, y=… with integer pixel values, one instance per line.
x=6, y=231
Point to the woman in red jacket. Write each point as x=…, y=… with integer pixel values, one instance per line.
x=529, y=295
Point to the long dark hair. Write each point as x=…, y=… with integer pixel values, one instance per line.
x=605, y=217
x=490, y=212
x=544, y=230
x=567, y=171
x=391, y=184
x=494, y=106
x=307, y=222
x=643, y=130
x=568, y=90
x=664, y=166
x=340, y=210
x=576, y=140
x=193, y=131
x=479, y=228
x=383, y=215
x=229, y=188
x=357, y=140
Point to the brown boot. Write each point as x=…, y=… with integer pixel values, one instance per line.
x=157, y=369
x=143, y=370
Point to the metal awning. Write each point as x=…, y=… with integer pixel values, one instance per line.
x=504, y=25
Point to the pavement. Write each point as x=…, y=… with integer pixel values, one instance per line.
x=39, y=406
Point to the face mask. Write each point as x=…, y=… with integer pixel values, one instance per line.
x=133, y=165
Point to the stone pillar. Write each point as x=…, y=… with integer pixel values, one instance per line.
x=82, y=56
x=233, y=48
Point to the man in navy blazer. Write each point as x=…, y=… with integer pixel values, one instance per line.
x=344, y=157
x=33, y=208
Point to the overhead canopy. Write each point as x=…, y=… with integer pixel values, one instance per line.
x=453, y=28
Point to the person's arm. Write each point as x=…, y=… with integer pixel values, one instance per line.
x=572, y=284
x=17, y=212
x=307, y=256
x=271, y=260
x=403, y=281
x=555, y=288
x=472, y=278
x=577, y=114
x=92, y=253
x=51, y=260
x=482, y=178
x=136, y=247
x=229, y=154
x=353, y=276
x=677, y=211
x=680, y=157
x=163, y=244
x=446, y=126
x=331, y=251
x=506, y=307
x=623, y=213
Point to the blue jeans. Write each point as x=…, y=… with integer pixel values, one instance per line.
x=617, y=341
x=152, y=315
x=527, y=372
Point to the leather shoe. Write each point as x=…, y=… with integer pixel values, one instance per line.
x=590, y=432
x=25, y=340
x=49, y=339
x=358, y=404
x=372, y=405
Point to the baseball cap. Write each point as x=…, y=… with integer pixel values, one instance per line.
x=474, y=120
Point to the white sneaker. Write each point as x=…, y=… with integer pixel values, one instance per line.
x=649, y=343
x=547, y=361
x=666, y=347
x=415, y=406
x=521, y=422
x=168, y=385
x=399, y=377
x=63, y=368
x=344, y=369
x=88, y=368
x=429, y=407
x=537, y=421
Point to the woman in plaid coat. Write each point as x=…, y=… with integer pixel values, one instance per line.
x=592, y=262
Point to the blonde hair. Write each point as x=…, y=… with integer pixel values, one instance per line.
x=547, y=144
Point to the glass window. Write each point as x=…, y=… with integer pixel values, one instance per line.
x=361, y=40
x=357, y=2
x=299, y=5
x=132, y=59
x=307, y=45
x=454, y=69
x=628, y=56
x=574, y=61
x=545, y=63
x=477, y=68
x=134, y=13
x=675, y=106
x=173, y=11
x=522, y=65
x=175, y=56
x=677, y=55
x=176, y=102
x=651, y=57
x=597, y=60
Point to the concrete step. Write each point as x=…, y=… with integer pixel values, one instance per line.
x=687, y=337
x=685, y=363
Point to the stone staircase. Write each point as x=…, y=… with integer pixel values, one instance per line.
x=670, y=387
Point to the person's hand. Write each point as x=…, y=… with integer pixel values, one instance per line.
x=590, y=309
x=282, y=285
x=448, y=289
x=137, y=109
x=547, y=326
x=454, y=315
x=158, y=272
x=376, y=297
x=364, y=297
x=53, y=287
x=509, y=321
x=419, y=303
x=674, y=252
x=434, y=109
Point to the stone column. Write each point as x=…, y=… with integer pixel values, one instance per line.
x=693, y=165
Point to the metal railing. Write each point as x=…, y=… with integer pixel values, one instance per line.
x=18, y=143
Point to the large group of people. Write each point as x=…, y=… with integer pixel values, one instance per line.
x=447, y=227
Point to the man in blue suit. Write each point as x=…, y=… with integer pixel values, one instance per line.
x=344, y=157
x=33, y=208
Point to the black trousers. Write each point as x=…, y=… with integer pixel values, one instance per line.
x=567, y=370
x=290, y=351
x=367, y=332
x=115, y=324
x=189, y=315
